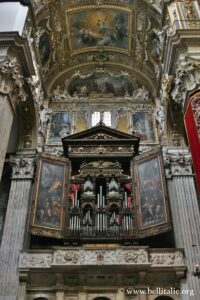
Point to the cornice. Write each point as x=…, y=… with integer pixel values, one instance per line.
x=180, y=39
x=20, y=45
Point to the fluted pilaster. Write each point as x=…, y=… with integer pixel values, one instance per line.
x=185, y=213
x=15, y=225
x=11, y=93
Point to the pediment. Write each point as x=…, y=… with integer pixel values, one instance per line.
x=100, y=139
x=100, y=132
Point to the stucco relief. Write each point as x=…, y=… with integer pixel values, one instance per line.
x=36, y=260
x=12, y=82
x=187, y=78
x=166, y=259
x=101, y=257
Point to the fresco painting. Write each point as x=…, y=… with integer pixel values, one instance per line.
x=105, y=27
x=151, y=195
x=143, y=125
x=60, y=127
x=100, y=83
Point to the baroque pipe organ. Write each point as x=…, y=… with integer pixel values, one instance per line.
x=101, y=189
x=99, y=205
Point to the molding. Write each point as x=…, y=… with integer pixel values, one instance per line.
x=21, y=47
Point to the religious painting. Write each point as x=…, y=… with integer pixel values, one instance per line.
x=60, y=127
x=150, y=192
x=143, y=125
x=44, y=47
x=107, y=27
x=49, y=196
x=100, y=84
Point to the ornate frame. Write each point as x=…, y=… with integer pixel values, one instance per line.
x=53, y=161
x=155, y=202
x=82, y=8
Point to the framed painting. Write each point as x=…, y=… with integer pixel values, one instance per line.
x=144, y=126
x=90, y=27
x=152, y=212
x=60, y=126
x=49, y=196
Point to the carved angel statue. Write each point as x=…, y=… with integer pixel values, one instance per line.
x=44, y=118
x=160, y=117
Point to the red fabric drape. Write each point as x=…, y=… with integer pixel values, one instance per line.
x=193, y=138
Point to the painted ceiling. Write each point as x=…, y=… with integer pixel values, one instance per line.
x=104, y=36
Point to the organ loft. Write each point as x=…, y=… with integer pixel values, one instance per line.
x=99, y=151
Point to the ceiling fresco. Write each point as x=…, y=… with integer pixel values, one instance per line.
x=100, y=83
x=93, y=28
x=103, y=36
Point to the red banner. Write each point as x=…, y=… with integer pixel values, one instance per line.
x=192, y=124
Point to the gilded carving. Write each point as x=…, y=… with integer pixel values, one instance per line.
x=195, y=102
x=187, y=78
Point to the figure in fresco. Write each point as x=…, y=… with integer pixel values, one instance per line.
x=104, y=28
x=60, y=126
x=143, y=125
x=99, y=83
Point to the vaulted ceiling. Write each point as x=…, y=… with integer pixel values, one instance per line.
x=76, y=38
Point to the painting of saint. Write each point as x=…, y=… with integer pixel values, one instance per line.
x=143, y=125
x=105, y=27
x=50, y=195
x=152, y=199
x=60, y=127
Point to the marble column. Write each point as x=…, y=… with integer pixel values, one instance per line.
x=185, y=214
x=15, y=225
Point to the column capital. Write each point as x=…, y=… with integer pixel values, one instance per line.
x=177, y=164
x=22, y=167
x=12, y=81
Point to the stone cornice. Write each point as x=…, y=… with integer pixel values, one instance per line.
x=174, y=42
x=13, y=41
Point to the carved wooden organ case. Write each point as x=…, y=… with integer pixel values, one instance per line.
x=100, y=190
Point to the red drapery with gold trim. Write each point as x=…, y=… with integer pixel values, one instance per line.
x=192, y=124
